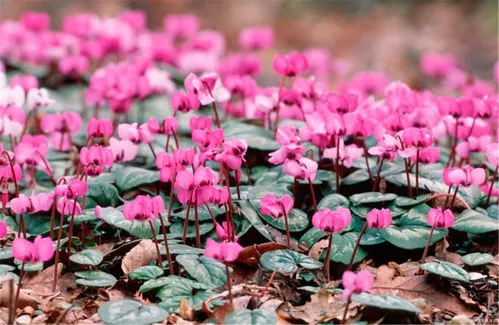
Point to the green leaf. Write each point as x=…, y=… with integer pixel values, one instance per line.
x=287, y=261
x=371, y=197
x=363, y=210
x=333, y=201
x=493, y=211
x=297, y=220
x=252, y=216
x=5, y=253
x=179, y=249
x=103, y=193
x=177, y=229
x=447, y=270
x=389, y=302
x=203, y=213
x=475, y=259
x=147, y=272
x=342, y=248
x=475, y=222
x=30, y=267
x=251, y=317
x=356, y=177
x=95, y=279
x=312, y=236
x=136, y=228
x=256, y=193
x=87, y=257
x=130, y=312
x=205, y=270
x=256, y=137
x=411, y=236
x=179, y=288
x=130, y=177
x=152, y=284
x=403, y=201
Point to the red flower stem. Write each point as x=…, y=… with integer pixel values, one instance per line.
x=21, y=275
x=231, y=204
x=453, y=149
x=52, y=217
x=211, y=213
x=327, y=261
x=12, y=308
x=472, y=127
x=168, y=255
x=160, y=260
x=366, y=157
x=314, y=200
x=288, y=236
x=453, y=198
x=196, y=223
x=170, y=204
x=71, y=222
x=337, y=169
x=229, y=285
x=176, y=140
x=494, y=176
x=186, y=223
x=16, y=186
x=376, y=182
x=268, y=284
x=281, y=85
x=356, y=247
x=417, y=171
x=57, y=251
x=26, y=123
x=152, y=150
x=409, y=187
x=427, y=246
x=448, y=196
x=343, y=319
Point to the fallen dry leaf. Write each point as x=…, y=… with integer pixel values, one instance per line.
x=442, y=253
x=7, y=292
x=251, y=254
x=140, y=255
x=41, y=283
x=317, y=249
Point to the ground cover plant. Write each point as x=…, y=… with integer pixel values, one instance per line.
x=151, y=176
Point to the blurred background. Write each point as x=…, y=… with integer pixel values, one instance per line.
x=386, y=36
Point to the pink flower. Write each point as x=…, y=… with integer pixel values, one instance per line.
x=123, y=150
x=64, y=122
x=35, y=203
x=223, y=231
x=3, y=229
x=208, y=88
x=32, y=150
x=233, y=154
x=75, y=188
x=200, y=123
x=26, y=82
x=437, y=65
x=276, y=207
x=332, y=221
x=440, y=219
x=184, y=102
x=168, y=127
x=465, y=176
x=99, y=128
x=379, y=219
x=136, y=134
x=41, y=250
x=94, y=158
x=256, y=38
x=342, y=103
x=303, y=168
x=290, y=65
x=348, y=154
x=428, y=155
x=417, y=137
x=287, y=135
x=356, y=283
x=181, y=26
x=76, y=65
x=137, y=19
x=39, y=98
x=212, y=194
x=387, y=148
x=493, y=154
x=144, y=208
x=288, y=152
x=165, y=162
x=67, y=206
x=223, y=252
x=35, y=21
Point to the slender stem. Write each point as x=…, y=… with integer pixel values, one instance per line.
x=71, y=222
x=152, y=150
x=229, y=285
x=186, y=223
x=176, y=140
x=196, y=223
x=264, y=291
x=22, y=227
x=281, y=85
x=409, y=187
x=448, y=196
x=352, y=258
x=366, y=157
x=211, y=213
x=215, y=111
x=52, y=218
x=314, y=200
x=472, y=126
x=337, y=169
x=427, y=246
x=26, y=123
x=12, y=308
x=453, y=150
x=376, y=182
x=57, y=251
x=21, y=275
x=494, y=176
x=288, y=236
x=170, y=204
x=327, y=261
x=248, y=173
x=160, y=260
x=168, y=255
x=454, y=197
x=343, y=319
x=417, y=171
x=16, y=186
x=231, y=205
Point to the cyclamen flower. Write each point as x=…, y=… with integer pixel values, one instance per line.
x=99, y=128
x=3, y=229
x=233, y=154
x=123, y=150
x=342, y=103
x=223, y=252
x=67, y=206
x=379, y=219
x=276, y=207
x=256, y=38
x=303, y=168
x=440, y=219
x=428, y=155
x=290, y=65
x=75, y=188
x=95, y=158
x=76, y=65
x=348, y=154
x=35, y=21
x=208, y=88
x=144, y=208
x=287, y=135
x=41, y=250
x=356, y=283
x=437, y=65
x=33, y=204
x=39, y=98
x=136, y=134
x=184, y=102
x=465, y=176
x=32, y=150
x=168, y=127
x=332, y=221
x=493, y=154
x=64, y=122
x=223, y=231
x=26, y=82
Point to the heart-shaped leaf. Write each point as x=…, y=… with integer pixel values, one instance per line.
x=5, y=253
x=342, y=248
x=152, y=284
x=103, y=193
x=255, y=136
x=356, y=177
x=147, y=272
x=287, y=261
x=205, y=270
x=475, y=222
x=447, y=270
x=137, y=228
x=371, y=198
x=251, y=317
x=95, y=279
x=179, y=288
x=130, y=177
x=403, y=201
x=130, y=312
x=389, y=302
x=253, y=217
x=493, y=211
x=297, y=221
x=475, y=259
x=312, y=236
x=333, y=201
x=87, y=257
x=177, y=229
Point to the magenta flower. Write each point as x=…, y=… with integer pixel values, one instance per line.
x=303, y=168
x=74, y=65
x=208, y=88
x=379, y=219
x=332, y=221
x=35, y=21
x=3, y=229
x=181, y=26
x=276, y=207
x=67, y=206
x=75, y=188
x=437, y=65
x=223, y=252
x=223, y=231
x=135, y=133
x=41, y=250
x=99, y=128
x=64, y=122
x=32, y=150
x=144, y=208
x=184, y=102
x=356, y=283
x=256, y=38
x=26, y=82
x=465, y=176
x=286, y=135
x=123, y=150
x=233, y=154
x=95, y=158
x=440, y=219
x=428, y=155
x=168, y=127
x=290, y=65
x=348, y=154
x=342, y=103
x=33, y=204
